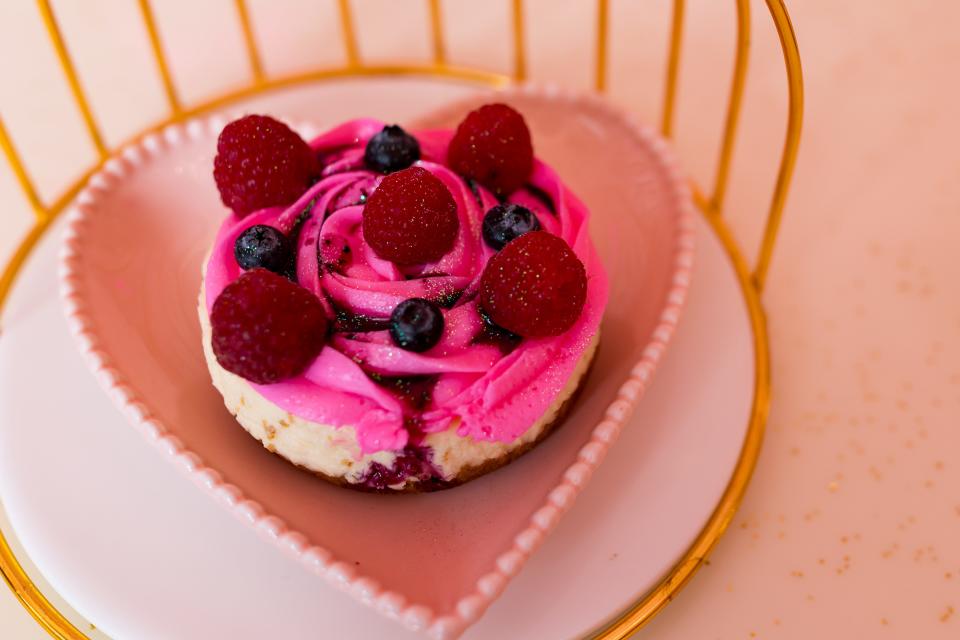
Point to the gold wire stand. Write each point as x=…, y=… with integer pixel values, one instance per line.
x=751, y=279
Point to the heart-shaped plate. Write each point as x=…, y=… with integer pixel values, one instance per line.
x=130, y=274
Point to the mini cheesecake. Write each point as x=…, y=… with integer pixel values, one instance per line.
x=395, y=311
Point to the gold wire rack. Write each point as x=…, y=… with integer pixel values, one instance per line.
x=752, y=278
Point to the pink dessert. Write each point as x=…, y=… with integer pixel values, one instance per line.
x=421, y=313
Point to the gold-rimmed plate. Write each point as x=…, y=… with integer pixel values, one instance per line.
x=687, y=457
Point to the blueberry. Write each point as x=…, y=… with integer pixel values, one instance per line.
x=416, y=324
x=391, y=150
x=506, y=222
x=262, y=246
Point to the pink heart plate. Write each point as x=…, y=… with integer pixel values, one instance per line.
x=130, y=276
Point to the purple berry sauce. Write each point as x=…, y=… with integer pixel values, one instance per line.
x=416, y=461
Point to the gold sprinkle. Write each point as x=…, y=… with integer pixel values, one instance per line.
x=243, y=401
x=271, y=431
x=796, y=574
x=809, y=516
x=884, y=622
x=946, y=614
x=833, y=487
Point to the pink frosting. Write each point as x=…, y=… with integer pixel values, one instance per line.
x=497, y=393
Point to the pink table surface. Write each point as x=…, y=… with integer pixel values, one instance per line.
x=851, y=525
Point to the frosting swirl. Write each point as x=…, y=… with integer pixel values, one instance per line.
x=488, y=385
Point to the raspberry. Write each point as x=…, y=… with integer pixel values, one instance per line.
x=492, y=146
x=261, y=163
x=535, y=287
x=410, y=218
x=266, y=328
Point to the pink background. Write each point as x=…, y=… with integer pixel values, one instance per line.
x=850, y=527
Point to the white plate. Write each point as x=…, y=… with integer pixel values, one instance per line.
x=74, y=475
